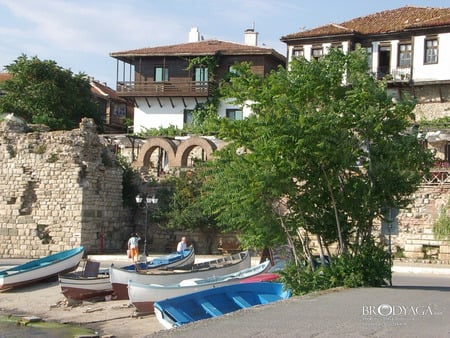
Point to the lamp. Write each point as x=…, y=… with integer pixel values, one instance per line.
x=148, y=201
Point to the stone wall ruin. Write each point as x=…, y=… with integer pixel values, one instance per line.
x=58, y=190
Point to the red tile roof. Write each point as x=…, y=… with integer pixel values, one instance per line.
x=205, y=47
x=102, y=90
x=5, y=76
x=396, y=20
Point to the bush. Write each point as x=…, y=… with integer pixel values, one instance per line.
x=369, y=268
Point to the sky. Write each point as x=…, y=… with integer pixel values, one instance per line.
x=79, y=34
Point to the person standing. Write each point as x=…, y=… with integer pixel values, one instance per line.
x=133, y=246
x=182, y=244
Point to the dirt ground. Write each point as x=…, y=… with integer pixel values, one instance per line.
x=108, y=318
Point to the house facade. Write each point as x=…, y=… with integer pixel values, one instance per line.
x=409, y=47
x=167, y=83
x=113, y=108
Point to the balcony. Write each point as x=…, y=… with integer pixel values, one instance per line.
x=395, y=75
x=168, y=89
x=439, y=174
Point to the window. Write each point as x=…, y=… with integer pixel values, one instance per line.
x=201, y=74
x=447, y=152
x=404, y=55
x=233, y=70
x=298, y=53
x=234, y=114
x=431, y=51
x=188, y=116
x=161, y=74
x=317, y=53
x=369, y=52
x=337, y=46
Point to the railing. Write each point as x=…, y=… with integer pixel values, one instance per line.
x=170, y=88
x=395, y=75
x=439, y=174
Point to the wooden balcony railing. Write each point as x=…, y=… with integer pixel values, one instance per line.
x=169, y=88
x=439, y=174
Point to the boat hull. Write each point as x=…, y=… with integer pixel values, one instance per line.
x=216, y=302
x=225, y=265
x=75, y=286
x=41, y=269
x=142, y=296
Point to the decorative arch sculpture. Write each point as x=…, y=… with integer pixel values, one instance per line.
x=149, y=147
x=186, y=147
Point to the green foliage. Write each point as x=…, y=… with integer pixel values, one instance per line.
x=11, y=150
x=52, y=158
x=334, y=155
x=208, y=61
x=370, y=268
x=40, y=149
x=186, y=211
x=130, y=179
x=170, y=131
x=441, y=228
x=41, y=92
x=442, y=122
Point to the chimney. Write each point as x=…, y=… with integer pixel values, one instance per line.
x=194, y=35
x=251, y=37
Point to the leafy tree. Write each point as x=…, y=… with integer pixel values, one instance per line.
x=326, y=150
x=44, y=93
x=185, y=210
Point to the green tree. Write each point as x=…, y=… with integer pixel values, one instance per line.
x=44, y=93
x=326, y=150
x=185, y=211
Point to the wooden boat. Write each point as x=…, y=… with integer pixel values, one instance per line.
x=40, y=269
x=221, y=266
x=263, y=277
x=215, y=302
x=142, y=296
x=174, y=260
x=91, y=282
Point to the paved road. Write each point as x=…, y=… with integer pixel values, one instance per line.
x=413, y=310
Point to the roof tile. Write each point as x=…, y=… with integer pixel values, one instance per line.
x=387, y=21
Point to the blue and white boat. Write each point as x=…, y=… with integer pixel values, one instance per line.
x=143, y=296
x=215, y=302
x=227, y=264
x=174, y=260
x=40, y=269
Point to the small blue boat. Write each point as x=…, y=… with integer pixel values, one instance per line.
x=40, y=269
x=215, y=302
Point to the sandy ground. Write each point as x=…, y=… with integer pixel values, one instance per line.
x=108, y=318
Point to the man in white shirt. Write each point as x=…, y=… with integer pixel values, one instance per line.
x=182, y=244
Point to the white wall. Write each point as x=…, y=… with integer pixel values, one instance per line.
x=227, y=104
x=439, y=71
x=155, y=116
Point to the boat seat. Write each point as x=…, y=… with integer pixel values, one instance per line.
x=267, y=298
x=209, y=308
x=177, y=315
x=240, y=301
x=91, y=269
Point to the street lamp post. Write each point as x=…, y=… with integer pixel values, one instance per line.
x=148, y=201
